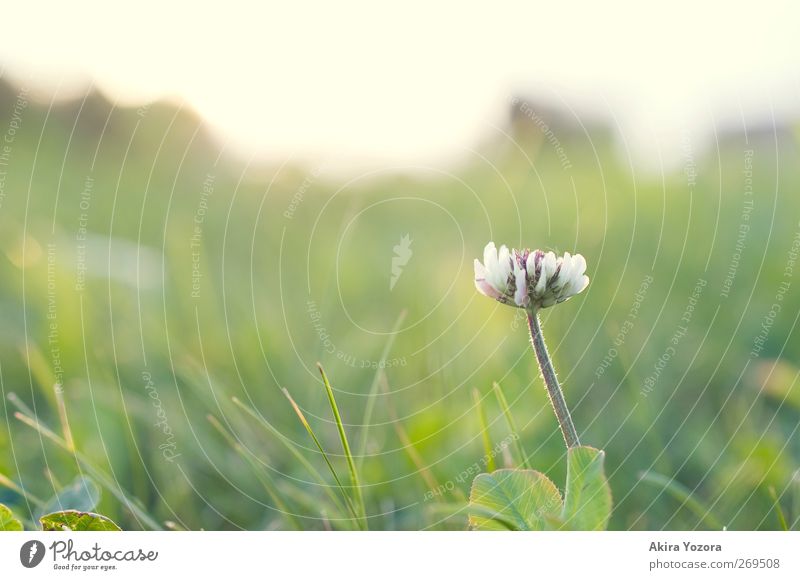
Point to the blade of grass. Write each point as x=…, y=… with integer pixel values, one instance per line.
x=345, y=446
x=342, y=489
x=89, y=467
x=263, y=476
x=289, y=444
x=777, y=506
x=41, y=429
x=501, y=398
x=487, y=442
x=10, y=484
x=684, y=496
x=19, y=404
x=373, y=390
x=54, y=482
x=39, y=367
x=62, y=416
x=306, y=501
x=508, y=460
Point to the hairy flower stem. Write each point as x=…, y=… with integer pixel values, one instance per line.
x=551, y=381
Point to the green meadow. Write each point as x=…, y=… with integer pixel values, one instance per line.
x=160, y=296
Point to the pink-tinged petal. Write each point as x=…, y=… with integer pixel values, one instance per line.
x=576, y=286
x=521, y=257
x=577, y=280
x=564, y=273
x=490, y=258
x=504, y=269
x=546, y=269
x=549, y=263
x=483, y=285
x=521, y=292
x=487, y=289
x=503, y=256
x=480, y=270
x=530, y=265
x=541, y=282
x=494, y=268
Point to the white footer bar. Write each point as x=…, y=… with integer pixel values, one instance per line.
x=406, y=555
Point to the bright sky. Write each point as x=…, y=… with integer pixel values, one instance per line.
x=421, y=81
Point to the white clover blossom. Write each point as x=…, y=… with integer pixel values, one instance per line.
x=529, y=279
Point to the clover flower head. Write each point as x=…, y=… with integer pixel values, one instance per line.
x=529, y=279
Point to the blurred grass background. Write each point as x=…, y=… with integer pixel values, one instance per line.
x=207, y=278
